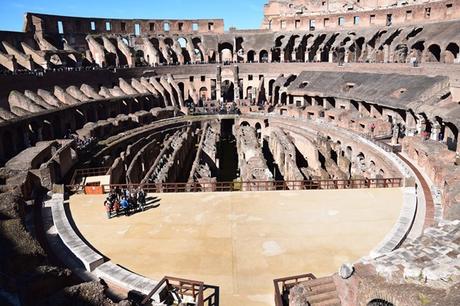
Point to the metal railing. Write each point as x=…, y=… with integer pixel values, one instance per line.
x=258, y=185
x=85, y=172
x=178, y=288
x=283, y=285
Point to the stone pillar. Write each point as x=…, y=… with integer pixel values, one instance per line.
x=331, y=57
x=395, y=136
x=327, y=104
x=386, y=53
x=236, y=83
x=435, y=130
x=347, y=55
x=219, y=83
x=282, y=56
x=421, y=125
x=270, y=56
x=306, y=56
x=293, y=56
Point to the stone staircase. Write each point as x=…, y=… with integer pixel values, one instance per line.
x=317, y=292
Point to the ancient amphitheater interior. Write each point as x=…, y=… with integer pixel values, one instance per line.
x=312, y=161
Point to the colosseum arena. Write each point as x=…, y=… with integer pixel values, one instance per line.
x=314, y=161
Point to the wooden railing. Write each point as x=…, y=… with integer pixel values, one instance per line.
x=178, y=288
x=260, y=185
x=283, y=285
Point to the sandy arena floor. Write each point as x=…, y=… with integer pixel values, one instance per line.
x=242, y=241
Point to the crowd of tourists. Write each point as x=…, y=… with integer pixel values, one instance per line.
x=122, y=201
x=81, y=144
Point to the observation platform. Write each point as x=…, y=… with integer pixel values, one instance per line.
x=241, y=241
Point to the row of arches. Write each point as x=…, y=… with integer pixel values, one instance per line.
x=57, y=125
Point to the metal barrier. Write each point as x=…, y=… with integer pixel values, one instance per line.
x=80, y=173
x=283, y=285
x=178, y=288
x=258, y=185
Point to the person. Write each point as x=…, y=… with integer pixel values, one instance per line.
x=132, y=202
x=125, y=205
x=108, y=208
x=116, y=207
x=118, y=192
x=141, y=198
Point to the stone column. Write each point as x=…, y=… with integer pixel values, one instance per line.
x=219, y=83
x=386, y=53
x=282, y=56
x=421, y=125
x=395, y=136
x=236, y=83
x=435, y=130
x=331, y=57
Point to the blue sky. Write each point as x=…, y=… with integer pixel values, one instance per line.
x=243, y=14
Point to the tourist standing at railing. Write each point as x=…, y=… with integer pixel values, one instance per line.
x=141, y=198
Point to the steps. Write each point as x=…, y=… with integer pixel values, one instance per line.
x=321, y=292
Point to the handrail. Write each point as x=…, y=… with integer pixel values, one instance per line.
x=261, y=185
x=88, y=172
x=287, y=283
x=186, y=287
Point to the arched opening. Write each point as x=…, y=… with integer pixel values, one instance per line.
x=334, y=156
x=276, y=51
x=258, y=130
x=57, y=126
x=270, y=87
x=451, y=136
x=212, y=56
x=251, y=56
x=349, y=152
x=239, y=49
x=249, y=93
x=91, y=116
x=359, y=43
x=8, y=145
x=434, y=53
x=33, y=133
x=417, y=49
x=47, y=130
x=283, y=98
x=276, y=55
x=182, y=42
x=199, y=56
x=379, y=302
x=226, y=52
x=244, y=123
x=228, y=91
x=80, y=119
x=140, y=60
x=276, y=95
x=263, y=56
x=451, y=53
x=182, y=90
